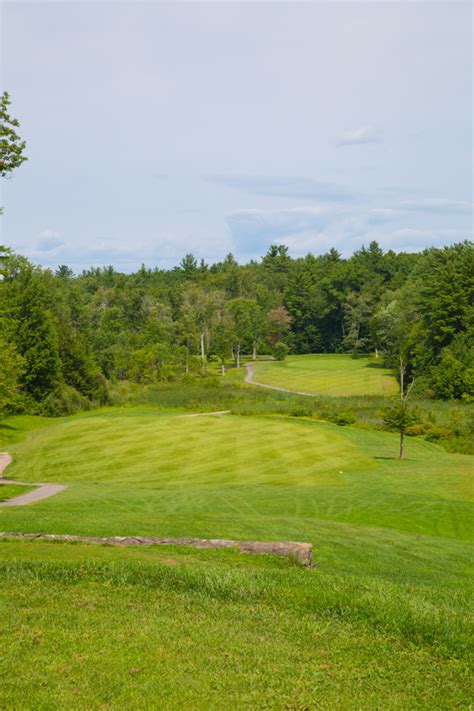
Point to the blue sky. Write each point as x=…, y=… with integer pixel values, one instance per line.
x=156, y=129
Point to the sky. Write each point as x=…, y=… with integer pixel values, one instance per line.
x=155, y=129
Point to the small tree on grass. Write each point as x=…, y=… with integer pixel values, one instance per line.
x=400, y=415
x=280, y=351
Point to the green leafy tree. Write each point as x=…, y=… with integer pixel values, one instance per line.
x=201, y=307
x=223, y=338
x=245, y=315
x=278, y=324
x=400, y=415
x=27, y=300
x=357, y=312
x=11, y=367
x=11, y=145
x=189, y=265
x=64, y=272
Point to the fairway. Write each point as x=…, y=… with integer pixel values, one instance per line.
x=110, y=627
x=321, y=374
x=145, y=471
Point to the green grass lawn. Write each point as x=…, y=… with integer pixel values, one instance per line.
x=8, y=491
x=322, y=374
x=98, y=627
x=144, y=471
x=382, y=622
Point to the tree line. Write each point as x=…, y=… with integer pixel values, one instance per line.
x=65, y=338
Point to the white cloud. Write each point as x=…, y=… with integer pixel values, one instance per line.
x=286, y=186
x=360, y=136
x=48, y=240
x=437, y=205
x=254, y=230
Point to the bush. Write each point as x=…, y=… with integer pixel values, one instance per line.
x=418, y=429
x=343, y=418
x=437, y=433
x=64, y=400
x=280, y=350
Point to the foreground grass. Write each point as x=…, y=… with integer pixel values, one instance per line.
x=322, y=374
x=92, y=627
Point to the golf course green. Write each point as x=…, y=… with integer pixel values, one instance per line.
x=381, y=621
x=338, y=375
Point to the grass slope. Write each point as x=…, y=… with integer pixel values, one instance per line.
x=94, y=627
x=382, y=622
x=338, y=375
x=143, y=471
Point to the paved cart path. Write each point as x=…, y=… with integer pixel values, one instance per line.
x=42, y=491
x=249, y=379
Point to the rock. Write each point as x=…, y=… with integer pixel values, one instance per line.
x=302, y=552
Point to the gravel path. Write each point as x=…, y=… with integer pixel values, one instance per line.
x=204, y=414
x=42, y=491
x=249, y=379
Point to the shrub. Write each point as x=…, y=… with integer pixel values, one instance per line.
x=418, y=429
x=344, y=418
x=64, y=400
x=437, y=433
x=280, y=350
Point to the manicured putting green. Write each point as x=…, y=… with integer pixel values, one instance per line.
x=180, y=450
x=267, y=477
x=336, y=375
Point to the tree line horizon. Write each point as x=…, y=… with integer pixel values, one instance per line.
x=63, y=337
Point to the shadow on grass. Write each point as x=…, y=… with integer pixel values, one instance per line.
x=376, y=365
x=7, y=427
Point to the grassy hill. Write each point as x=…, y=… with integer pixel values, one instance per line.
x=322, y=374
x=140, y=470
x=382, y=621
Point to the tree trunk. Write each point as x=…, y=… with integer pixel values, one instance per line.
x=222, y=369
x=402, y=445
x=203, y=352
x=237, y=355
x=376, y=353
x=254, y=354
x=402, y=378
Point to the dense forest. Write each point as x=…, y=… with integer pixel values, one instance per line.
x=66, y=339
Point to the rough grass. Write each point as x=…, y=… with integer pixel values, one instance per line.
x=322, y=374
x=91, y=627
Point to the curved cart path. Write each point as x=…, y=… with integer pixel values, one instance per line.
x=42, y=491
x=249, y=379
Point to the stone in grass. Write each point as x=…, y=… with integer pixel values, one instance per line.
x=301, y=552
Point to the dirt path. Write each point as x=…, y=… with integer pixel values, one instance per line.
x=249, y=379
x=5, y=460
x=42, y=491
